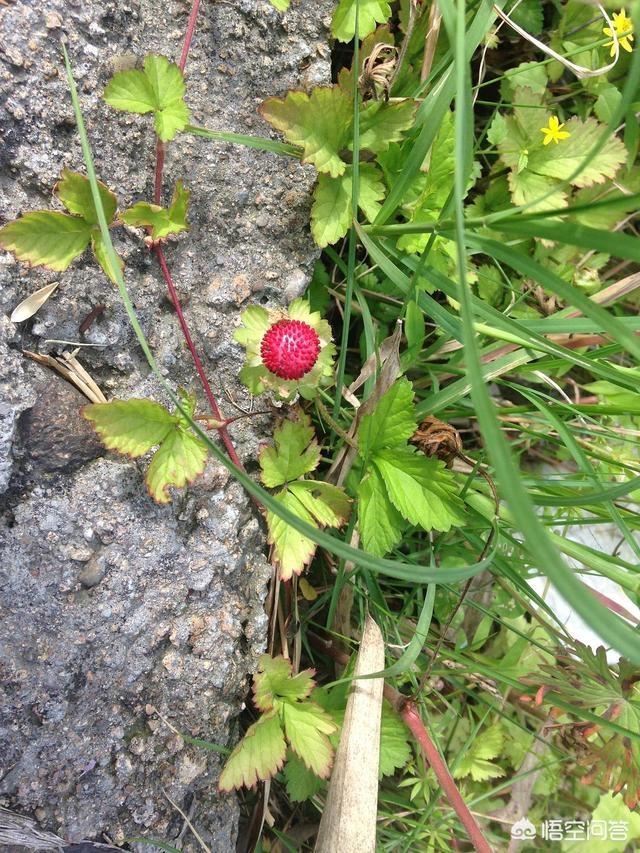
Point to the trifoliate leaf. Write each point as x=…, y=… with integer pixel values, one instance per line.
x=392, y=422
x=561, y=160
x=295, y=452
x=162, y=221
x=328, y=504
x=46, y=238
x=379, y=522
x=178, y=461
x=476, y=762
x=258, y=756
x=132, y=427
x=274, y=681
x=370, y=14
x=159, y=89
x=394, y=741
x=382, y=123
x=306, y=726
x=320, y=123
x=74, y=191
x=292, y=551
x=332, y=209
x=420, y=488
x=302, y=784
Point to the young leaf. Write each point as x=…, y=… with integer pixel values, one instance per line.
x=132, y=427
x=159, y=89
x=74, y=191
x=380, y=524
x=320, y=123
x=383, y=123
x=306, y=726
x=301, y=783
x=420, y=488
x=394, y=741
x=274, y=681
x=178, y=461
x=392, y=422
x=162, y=221
x=328, y=504
x=295, y=452
x=370, y=13
x=331, y=210
x=46, y=238
x=258, y=756
x=476, y=762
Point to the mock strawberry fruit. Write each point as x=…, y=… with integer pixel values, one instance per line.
x=290, y=348
x=288, y=352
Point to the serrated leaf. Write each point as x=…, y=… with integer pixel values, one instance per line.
x=476, y=761
x=162, y=221
x=319, y=123
x=178, y=461
x=46, y=238
x=274, y=681
x=159, y=89
x=258, y=756
x=379, y=522
x=370, y=14
x=561, y=160
x=102, y=257
x=132, y=426
x=295, y=452
x=420, y=488
x=382, y=123
x=33, y=303
x=301, y=783
x=527, y=187
x=332, y=209
x=292, y=551
x=392, y=422
x=395, y=750
x=74, y=191
x=328, y=504
x=529, y=15
x=306, y=726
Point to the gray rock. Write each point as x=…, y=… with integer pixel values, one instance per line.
x=117, y=614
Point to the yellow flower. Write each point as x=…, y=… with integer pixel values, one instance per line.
x=554, y=131
x=623, y=28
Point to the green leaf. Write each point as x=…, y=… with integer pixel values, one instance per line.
x=295, y=452
x=395, y=750
x=302, y=784
x=46, y=238
x=528, y=14
x=328, y=504
x=74, y=191
x=320, y=123
x=159, y=89
x=306, y=726
x=607, y=103
x=132, y=427
x=274, y=681
x=370, y=13
x=475, y=761
x=163, y=221
x=383, y=123
x=258, y=756
x=332, y=209
x=420, y=488
x=561, y=160
x=179, y=460
x=281, y=5
x=392, y=422
x=292, y=550
x=380, y=524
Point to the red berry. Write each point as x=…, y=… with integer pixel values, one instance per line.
x=290, y=348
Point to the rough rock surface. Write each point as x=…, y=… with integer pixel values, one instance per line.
x=111, y=605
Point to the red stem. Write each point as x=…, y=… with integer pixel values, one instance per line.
x=173, y=295
x=191, y=26
x=411, y=717
x=157, y=187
